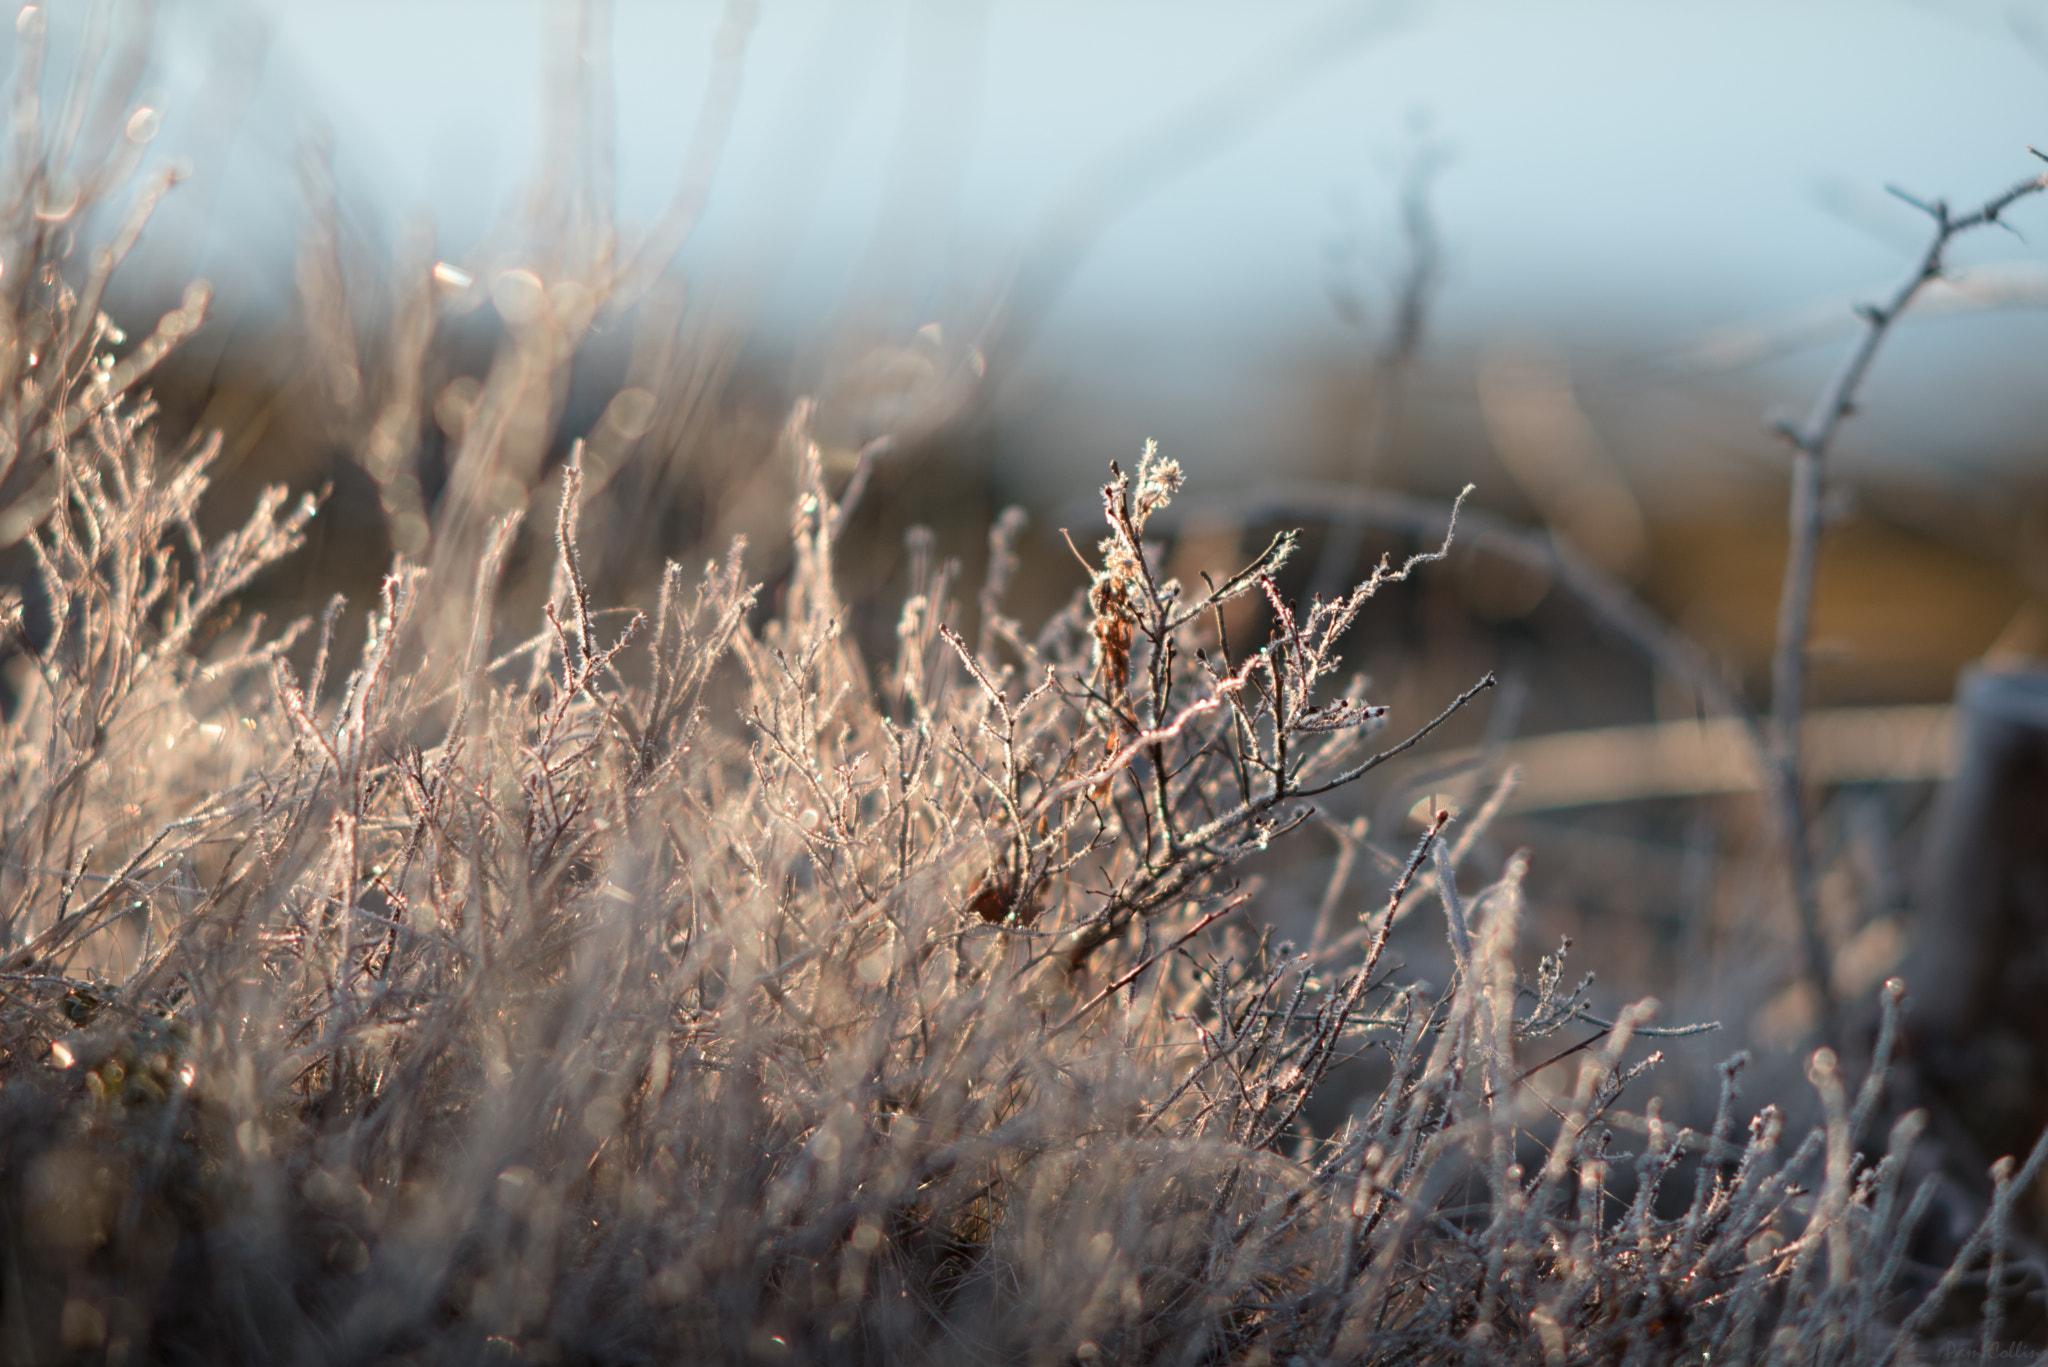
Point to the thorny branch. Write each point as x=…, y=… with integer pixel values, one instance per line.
x=1807, y=516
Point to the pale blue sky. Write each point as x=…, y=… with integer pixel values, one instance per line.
x=1624, y=177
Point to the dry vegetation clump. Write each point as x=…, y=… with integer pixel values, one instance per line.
x=679, y=985
x=659, y=988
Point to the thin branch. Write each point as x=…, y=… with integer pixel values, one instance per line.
x=1810, y=441
x=1131, y=976
x=1388, y=376
x=1607, y=598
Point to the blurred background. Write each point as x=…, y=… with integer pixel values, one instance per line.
x=1598, y=243
x=1577, y=254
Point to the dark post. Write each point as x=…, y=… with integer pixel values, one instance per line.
x=1978, y=974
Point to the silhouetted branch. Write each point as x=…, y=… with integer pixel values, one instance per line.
x=1810, y=441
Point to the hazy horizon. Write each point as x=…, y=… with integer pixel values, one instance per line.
x=1617, y=182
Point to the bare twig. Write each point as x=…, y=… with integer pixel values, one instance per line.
x=1810, y=442
x=1606, y=597
x=1388, y=376
x=1137, y=970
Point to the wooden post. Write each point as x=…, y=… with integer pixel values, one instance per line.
x=1977, y=1035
